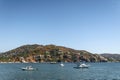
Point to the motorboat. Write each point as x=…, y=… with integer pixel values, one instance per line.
x=61, y=64
x=28, y=68
x=83, y=65
x=53, y=62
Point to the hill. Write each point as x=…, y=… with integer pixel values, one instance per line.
x=112, y=57
x=49, y=53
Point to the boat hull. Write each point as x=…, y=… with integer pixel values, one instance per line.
x=80, y=67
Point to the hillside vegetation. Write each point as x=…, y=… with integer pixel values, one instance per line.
x=112, y=57
x=49, y=53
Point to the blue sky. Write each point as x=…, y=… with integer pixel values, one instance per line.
x=92, y=25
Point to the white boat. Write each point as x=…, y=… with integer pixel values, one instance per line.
x=82, y=66
x=28, y=68
x=53, y=62
x=61, y=64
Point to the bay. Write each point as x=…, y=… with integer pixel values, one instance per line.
x=96, y=71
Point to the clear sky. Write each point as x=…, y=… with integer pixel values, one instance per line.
x=92, y=25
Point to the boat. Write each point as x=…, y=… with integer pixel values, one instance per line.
x=83, y=65
x=53, y=62
x=28, y=68
x=61, y=64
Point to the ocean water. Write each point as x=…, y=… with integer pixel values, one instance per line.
x=96, y=71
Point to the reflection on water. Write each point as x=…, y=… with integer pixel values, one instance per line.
x=97, y=71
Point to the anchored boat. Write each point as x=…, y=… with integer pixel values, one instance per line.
x=28, y=68
x=83, y=65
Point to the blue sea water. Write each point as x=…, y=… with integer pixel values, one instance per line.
x=96, y=71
